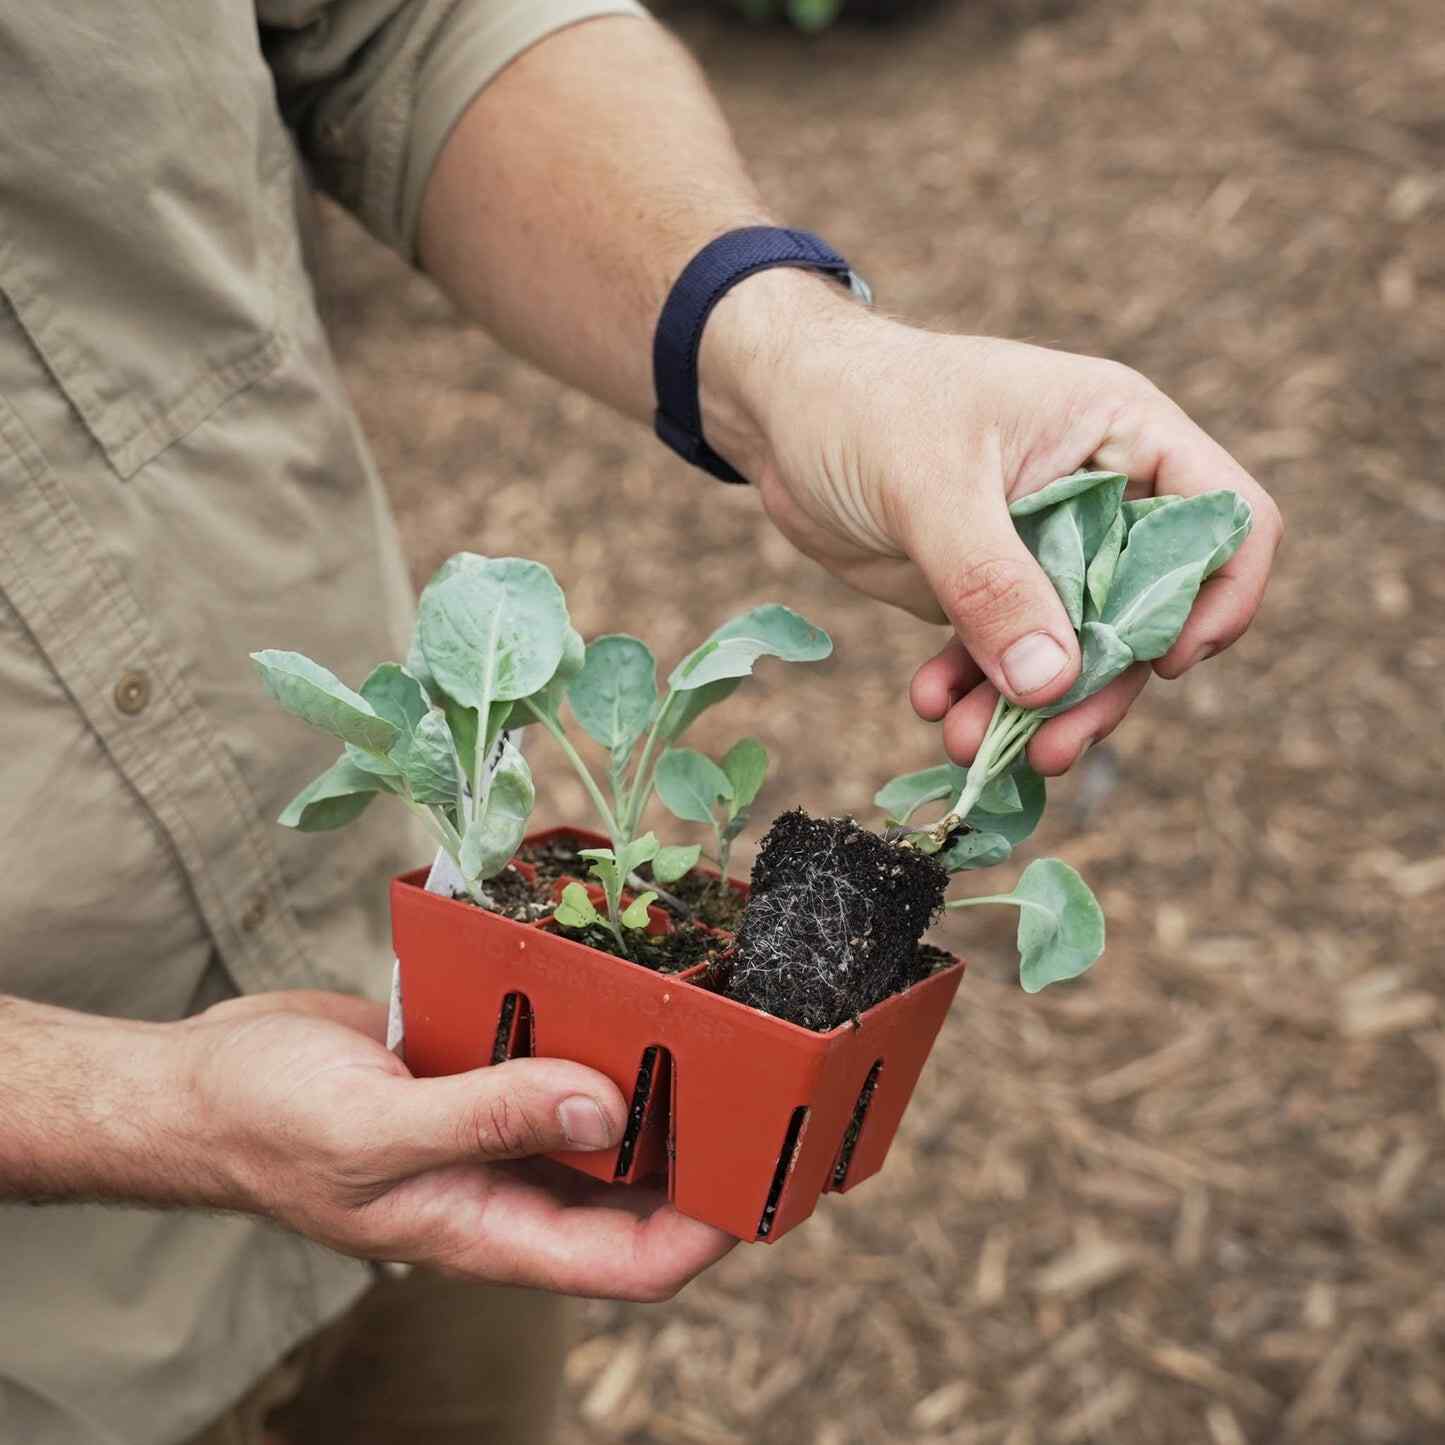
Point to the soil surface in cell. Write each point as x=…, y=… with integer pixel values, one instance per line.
x=557, y=858
x=707, y=898
x=686, y=945
x=516, y=897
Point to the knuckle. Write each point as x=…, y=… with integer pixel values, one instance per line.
x=1270, y=519
x=987, y=591
x=1123, y=382
x=501, y=1128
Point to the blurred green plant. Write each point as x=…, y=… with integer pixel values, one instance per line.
x=810, y=15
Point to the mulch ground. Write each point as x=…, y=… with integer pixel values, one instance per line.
x=1200, y=1196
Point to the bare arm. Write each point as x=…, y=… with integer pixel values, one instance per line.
x=96, y=1108
x=288, y=1105
x=562, y=208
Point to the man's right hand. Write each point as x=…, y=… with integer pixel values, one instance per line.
x=312, y=1121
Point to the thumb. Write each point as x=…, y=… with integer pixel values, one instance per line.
x=508, y=1111
x=1000, y=601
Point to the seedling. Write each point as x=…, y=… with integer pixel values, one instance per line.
x=494, y=649
x=697, y=790
x=613, y=871
x=1127, y=573
x=490, y=632
x=614, y=697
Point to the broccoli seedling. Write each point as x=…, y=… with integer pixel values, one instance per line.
x=614, y=697
x=489, y=632
x=697, y=790
x=1127, y=573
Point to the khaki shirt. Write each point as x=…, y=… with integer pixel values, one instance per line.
x=182, y=480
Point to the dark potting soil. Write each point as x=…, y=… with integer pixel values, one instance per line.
x=555, y=859
x=833, y=923
x=636, y=1111
x=855, y=1126
x=687, y=944
x=705, y=897
x=502, y=1046
x=515, y=897
x=708, y=898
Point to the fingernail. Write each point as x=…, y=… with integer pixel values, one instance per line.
x=584, y=1123
x=1208, y=650
x=1033, y=661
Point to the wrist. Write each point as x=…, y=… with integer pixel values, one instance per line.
x=100, y=1108
x=755, y=350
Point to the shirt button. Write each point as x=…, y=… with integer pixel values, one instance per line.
x=255, y=914
x=132, y=692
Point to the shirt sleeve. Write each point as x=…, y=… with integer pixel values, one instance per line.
x=373, y=88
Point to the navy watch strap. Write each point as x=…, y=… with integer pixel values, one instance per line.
x=705, y=280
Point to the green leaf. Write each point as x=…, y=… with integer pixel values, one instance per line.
x=547, y=700
x=675, y=861
x=635, y=914
x=492, y=628
x=1066, y=535
x=574, y=655
x=1243, y=521
x=575, y=909
x=614, y=696
x=1141, y=507
x=397, y=696
x=746, y=767
x=430, y=765
x=332, y=800
x=691, y=785
x=637, y=852
x=495, y=834
x=1165, y=559
x=731, y=651
x=1063, y=934
x=463, y=724
x=1098, y=509
x=813, y=15
x=973, y=850
x=1105, y=656
x=1014, y=827
x=1100, y=575
x=1055, y=537
x=1000, y=795
x=904, y=795
x=320, y=698
x=1074, y=485
x=685, y=707
x=604, y=867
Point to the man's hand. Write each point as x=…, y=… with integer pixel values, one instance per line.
x=315, y=1123
x=562, y=209
x=289, y=1105
x=891, y=455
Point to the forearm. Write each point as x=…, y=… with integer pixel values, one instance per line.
x=570, y=196
x=97, y=1108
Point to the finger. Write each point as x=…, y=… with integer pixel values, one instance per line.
x=1163, y=446
x=942, y=681
x=1226, y=605
x=1002, y=606
x=508, y=1111
x=1063, y=740
x=526, y=1225
x=966, y=723
x=361, y=1014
